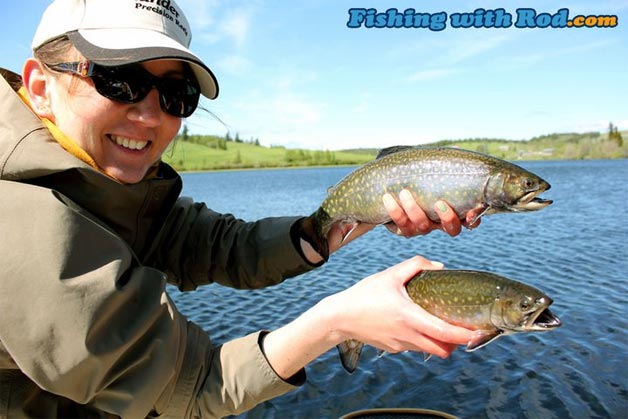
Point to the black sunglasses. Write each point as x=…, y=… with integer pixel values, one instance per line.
x=131, y=83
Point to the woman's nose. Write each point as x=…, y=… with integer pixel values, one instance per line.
x=148, y=110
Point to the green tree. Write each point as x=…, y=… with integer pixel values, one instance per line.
x=184, y=133
x=615, y=135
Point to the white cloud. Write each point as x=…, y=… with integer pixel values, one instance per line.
x=364, y=104
x=215, y=21
x=199, y=14
x=291, y=110
x=280, y=118
x=234, y=64
x=455, y=51
x=235, y=25
x=471, y=46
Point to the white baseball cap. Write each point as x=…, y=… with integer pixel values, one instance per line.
x=118, y=32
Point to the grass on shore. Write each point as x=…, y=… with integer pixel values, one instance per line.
x=214, y=153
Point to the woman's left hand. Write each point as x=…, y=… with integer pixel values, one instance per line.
x=407, y=219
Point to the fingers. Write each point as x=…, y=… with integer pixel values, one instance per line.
x=450, y=223
x=419, y=221
x=471, y=221
x=405, y=270
x=432, y=346
x=397, y=214
x=437, y=329
x=389, y=319
x=431, y=334
x=427, y=333
x=445, y=332
x=408, y=218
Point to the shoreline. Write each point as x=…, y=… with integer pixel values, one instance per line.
x=243, y=169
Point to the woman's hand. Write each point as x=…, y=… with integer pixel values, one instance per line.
x=377, y=311
x=408, y=219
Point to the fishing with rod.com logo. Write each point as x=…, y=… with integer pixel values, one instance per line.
x=522, y=18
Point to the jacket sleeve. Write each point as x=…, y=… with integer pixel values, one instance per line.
x=198, y=246
x=83, y=320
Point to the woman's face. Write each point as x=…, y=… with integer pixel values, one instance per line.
x=125, y=140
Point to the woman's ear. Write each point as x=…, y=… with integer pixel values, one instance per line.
x=37, y=85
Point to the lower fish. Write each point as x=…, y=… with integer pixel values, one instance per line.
x=490, y=304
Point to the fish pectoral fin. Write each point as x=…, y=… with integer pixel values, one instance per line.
x=482, y=338
x=476, y=217
x=349, y=351
x=346, y=235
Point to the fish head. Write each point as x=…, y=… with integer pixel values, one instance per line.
x=524, y=309
x=516, y=191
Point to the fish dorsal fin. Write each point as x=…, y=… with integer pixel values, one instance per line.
x=391, y=150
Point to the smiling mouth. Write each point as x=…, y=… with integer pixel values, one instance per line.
x=128, y=143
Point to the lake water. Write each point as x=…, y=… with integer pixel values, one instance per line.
x=575, y=250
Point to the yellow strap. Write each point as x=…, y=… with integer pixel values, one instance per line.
x=65, y=141
x=73, y=148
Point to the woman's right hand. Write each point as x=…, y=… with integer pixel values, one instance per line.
x=378, y=311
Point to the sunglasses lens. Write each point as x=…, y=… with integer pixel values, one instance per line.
x=178, y=97
x=119, y=84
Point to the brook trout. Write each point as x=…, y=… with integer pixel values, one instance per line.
x=490, y=304
x=467, y=180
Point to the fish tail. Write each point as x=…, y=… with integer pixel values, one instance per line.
x=316, y=236
x=349, y=351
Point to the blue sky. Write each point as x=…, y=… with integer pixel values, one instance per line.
x=292, y=73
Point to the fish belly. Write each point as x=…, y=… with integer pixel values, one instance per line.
x=360, y=197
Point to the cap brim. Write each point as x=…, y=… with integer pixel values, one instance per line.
x=98, y=46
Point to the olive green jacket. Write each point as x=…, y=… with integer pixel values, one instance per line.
x=86, y=326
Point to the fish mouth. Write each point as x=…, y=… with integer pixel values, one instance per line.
x=542, y=320
x=531, y=201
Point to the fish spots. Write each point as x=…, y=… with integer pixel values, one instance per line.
x=465, y=180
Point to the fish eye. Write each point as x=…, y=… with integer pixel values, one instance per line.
x=524, y=305
x=528, y=183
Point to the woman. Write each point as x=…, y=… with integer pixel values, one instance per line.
x=93, y=228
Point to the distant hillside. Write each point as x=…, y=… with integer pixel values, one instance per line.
x=569, y=146
x=216, y=153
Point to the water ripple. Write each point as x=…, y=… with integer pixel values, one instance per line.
x=575, y=251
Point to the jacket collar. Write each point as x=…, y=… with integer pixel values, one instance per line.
x=30, y=153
